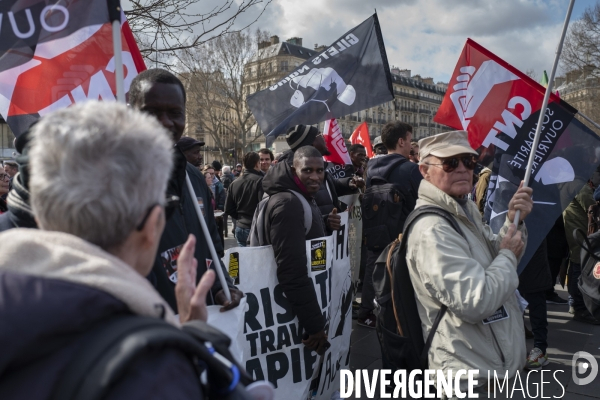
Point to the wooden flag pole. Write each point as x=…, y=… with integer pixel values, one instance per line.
x=538, y=129
x=114, y=14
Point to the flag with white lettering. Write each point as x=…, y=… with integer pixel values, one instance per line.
x=351, y=75
x=55, y=53
x=499, y=107
x=335, y=144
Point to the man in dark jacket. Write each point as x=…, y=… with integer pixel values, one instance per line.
x=395, y=168
x=327, y=197
x=161, y=94
x=243, y=196
x=285, y=231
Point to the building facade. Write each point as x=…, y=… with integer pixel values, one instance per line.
x=581, y=89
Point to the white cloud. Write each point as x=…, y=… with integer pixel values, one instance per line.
x=427, y=36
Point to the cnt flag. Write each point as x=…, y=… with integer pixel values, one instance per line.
x=351, y=75
x=335, y=144
x=499, y=106
x=55, y=53
x=361, y=136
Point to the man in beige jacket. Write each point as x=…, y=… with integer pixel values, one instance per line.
x=475, y=276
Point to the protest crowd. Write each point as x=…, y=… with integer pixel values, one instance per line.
x=116, y=281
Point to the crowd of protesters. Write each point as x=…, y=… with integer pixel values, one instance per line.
x=113, y=191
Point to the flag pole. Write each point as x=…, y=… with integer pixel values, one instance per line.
x=114, y=14
x=211, y=246
x=538, y=129
x=588, y=119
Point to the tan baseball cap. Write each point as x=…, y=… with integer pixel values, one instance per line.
x=446, y=144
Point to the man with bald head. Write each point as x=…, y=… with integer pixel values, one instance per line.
x=162, y=95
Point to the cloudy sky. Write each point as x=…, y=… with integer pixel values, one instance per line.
x=427, y=36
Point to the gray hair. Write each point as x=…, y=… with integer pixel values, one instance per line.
x=96, y=169
x=226, y=169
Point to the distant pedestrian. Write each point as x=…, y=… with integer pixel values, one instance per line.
x=266, y=158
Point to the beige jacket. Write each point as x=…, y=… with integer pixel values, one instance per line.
x=66, y=257
x=474, y=279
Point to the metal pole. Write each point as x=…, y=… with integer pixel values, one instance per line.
x=213, y=253
x=538, y=129
x=588, y=119
x=114, y=13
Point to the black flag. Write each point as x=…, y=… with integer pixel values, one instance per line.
x=351, y=75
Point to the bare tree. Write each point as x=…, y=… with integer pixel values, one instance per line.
x=582, y=44
x=163, y=28
x=216, y=77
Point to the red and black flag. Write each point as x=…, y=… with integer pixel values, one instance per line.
x=55, y=53
x=499, y=106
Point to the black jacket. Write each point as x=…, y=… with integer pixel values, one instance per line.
x=327, y=200
x=183, y=222
x=536, y=276
x=285, y=232
x=406, y=175
x=243, y=196
x=40, y=331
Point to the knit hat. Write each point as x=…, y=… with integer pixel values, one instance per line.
x=301, y=135
x=217, y=165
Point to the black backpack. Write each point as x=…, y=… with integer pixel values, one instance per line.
x=398, y=322
x=589, y=280
x=109, y=349
x=382, y=205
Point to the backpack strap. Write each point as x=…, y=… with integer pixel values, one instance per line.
x=412, y=218
x=107, y=352
x=307, y=211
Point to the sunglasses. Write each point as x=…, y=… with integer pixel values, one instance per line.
x=171, y=203
x=451, y=163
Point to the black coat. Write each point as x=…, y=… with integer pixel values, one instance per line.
x=41, y=329
x=183, y=222
x=406, y=175
x=285, y=232
x=536, y=276
x=243, y=196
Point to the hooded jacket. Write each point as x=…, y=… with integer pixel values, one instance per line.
x=327, y=196
x=243, y=196
x=284, y=216
x=183, y=222
x=474, y=278
x=54, y=287
x=406, y=175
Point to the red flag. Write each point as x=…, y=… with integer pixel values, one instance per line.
x=335, y=143
x=486, y=96
x=72, y=68
x=361, y=136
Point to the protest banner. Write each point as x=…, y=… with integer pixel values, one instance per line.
x=354, y=233
x=55, y=55
x=270, y=338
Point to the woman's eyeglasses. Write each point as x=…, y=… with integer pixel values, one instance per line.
x=4, y=177
x=451, y=163
x=171, y=204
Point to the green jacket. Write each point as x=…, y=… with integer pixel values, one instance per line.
x=576, y=217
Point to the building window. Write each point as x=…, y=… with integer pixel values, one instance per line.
x=284, y=66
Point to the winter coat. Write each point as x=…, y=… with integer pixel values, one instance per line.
x=406, y=175
x=227, y=179
x=243, y=196
x=55, y=286
x=219, y=195
x=284, y=216
x=576, y=217
x=473, y=278
x=327, y=196
x=183, y=222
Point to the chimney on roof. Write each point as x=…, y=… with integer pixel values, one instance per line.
x=428, y=81
x=395, y=70
x=295, y=40
x=274, y=39
x=320, y=48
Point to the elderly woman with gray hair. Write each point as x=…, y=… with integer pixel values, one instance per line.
x=99, y=173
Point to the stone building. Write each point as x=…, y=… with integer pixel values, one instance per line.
x=581, y=89
x=416, y=99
